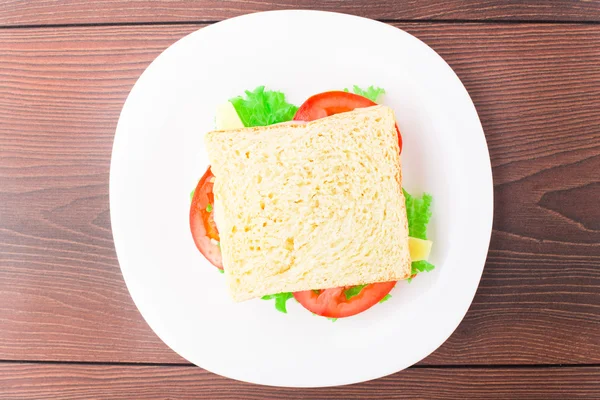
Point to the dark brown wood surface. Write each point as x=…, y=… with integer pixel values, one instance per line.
x=62, y=297
x=35, y=381
x=537, y=90
x=58, y=12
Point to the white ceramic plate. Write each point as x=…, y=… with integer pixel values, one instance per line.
x=158, y=157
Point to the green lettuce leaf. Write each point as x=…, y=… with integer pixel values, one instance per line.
x=353, y=291
x=280, y=300
x=372, y=92
x=263, y=107
x=221, y=271
x=420, y=266
x=418, y=213
x=192, y=194
x=385, y=298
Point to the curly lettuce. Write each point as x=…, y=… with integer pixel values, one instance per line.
x=353, y=291
x=262, y=107
x=372, y=93
x=418, y=213
x=280, y=300
x=385, y=298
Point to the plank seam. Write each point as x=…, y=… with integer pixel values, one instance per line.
x=387, y=21
x=445, y=366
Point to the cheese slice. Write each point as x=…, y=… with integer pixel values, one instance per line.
x=419, y=249
x=227, y=117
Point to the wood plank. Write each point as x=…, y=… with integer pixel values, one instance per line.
x=51, y=12
x=43, y=381
x=537, y=89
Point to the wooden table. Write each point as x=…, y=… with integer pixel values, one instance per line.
x=68, y=328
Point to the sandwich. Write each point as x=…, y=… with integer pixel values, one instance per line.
x=313, y=208
x=310, y=206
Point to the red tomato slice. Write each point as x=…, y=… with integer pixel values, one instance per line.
x=202, y=222
x=329, y=103
x=332, y=303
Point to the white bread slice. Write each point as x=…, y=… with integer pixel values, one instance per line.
x=310, y=206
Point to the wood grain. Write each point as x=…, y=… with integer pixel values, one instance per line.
x=52, y=12
x=35, y=381
x=537, y=90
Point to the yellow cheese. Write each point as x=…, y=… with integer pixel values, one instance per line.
x=227, y=118
x=419, y=248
